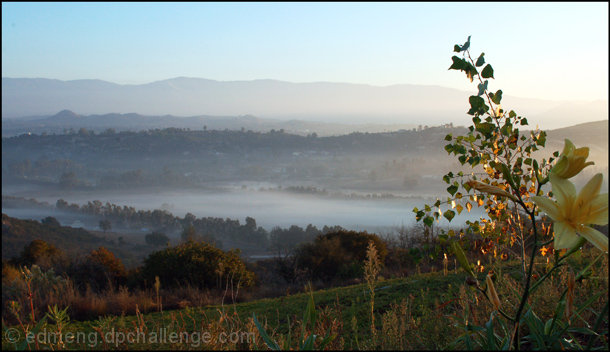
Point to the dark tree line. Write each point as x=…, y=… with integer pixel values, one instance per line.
x=230, y=233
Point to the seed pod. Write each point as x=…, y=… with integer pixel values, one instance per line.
x=491, y=292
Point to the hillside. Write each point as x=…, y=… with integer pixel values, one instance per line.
x=422, y=311
x=373, y=162
x=17, y=233
x=66, y=120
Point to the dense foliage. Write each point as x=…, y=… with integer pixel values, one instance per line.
x=337, y=255
x=197, y=264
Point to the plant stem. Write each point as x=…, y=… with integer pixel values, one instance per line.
x=526, y=291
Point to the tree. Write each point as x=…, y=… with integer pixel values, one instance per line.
x=189, y=234
x=105, y=225
x=51, y=221
x=338, y=255
x=156, y=239
x=99, y=269
x=250, y=224
x=196, y=263
x=42, y=254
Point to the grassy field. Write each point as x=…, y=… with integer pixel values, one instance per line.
x=345, y=307
x=422, y=311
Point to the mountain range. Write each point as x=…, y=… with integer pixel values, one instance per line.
x=272, y=99
x=66, y=119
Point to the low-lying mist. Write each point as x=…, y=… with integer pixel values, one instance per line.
x=269, y=209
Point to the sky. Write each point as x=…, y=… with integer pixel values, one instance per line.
x=556, y=51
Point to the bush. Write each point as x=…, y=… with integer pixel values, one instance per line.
x=337, y=255
x=41, y=253
x=199, y=264
x=99, y=270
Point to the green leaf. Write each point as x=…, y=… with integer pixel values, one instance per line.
x=270, y=343
x=477, y=105
x=507, y=128
x=461, y=257
x=480, y=60
x=507, y=175
x=488, y=72
x=524, y=122
x=23, y=344
x=547, y=326
x=449, y=214
x=452, y=189
x=486, y=128
x=428, y=220
x=448, y=137
x=497, y=97
x=457, y=48
x=491, y=338
x=466, y=45
x=536, y=328
x=309, y=316
x=458, y=63
x=482, y=88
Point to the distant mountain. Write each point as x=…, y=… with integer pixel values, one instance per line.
x=66, y=120
x=319, y=101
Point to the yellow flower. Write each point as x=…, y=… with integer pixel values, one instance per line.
x=572, y=213
x=571, y=161
x=484, y=187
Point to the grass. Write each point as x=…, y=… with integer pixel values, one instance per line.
x=421, y=311
x=343, y=305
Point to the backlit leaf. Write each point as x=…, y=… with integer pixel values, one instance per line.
x=488, y=72
x=449, y=214
x=497, y=97
x=480, y=60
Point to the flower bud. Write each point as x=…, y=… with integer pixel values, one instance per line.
x=491, y=292
x=571, y=161
x=486, y=188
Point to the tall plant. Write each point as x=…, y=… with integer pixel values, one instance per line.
x=510, y=184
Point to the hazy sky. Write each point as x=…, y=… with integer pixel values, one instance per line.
x=539, y=50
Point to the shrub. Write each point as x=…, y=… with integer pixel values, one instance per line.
x=98, y=270
x=41, y=253
x=337, y=255
x=196, y=263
